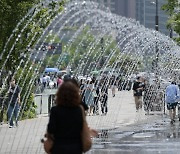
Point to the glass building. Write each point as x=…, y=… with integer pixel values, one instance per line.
x=125, y=8
x=142, y=10
x=146, y=12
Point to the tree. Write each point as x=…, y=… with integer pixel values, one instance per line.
x=27, y=33
x=172, y=8
x=16, y=51
x=11, y=12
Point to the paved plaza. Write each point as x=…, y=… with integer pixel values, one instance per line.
x=129, y=44
x=117, y=130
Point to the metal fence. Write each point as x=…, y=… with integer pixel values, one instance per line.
x=44, y=103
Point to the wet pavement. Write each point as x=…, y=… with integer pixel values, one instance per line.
x=121, y=131
x=153, y=138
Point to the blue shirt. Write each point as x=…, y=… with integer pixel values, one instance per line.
x=172, y=93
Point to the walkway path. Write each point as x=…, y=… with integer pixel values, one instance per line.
x=26, y=137
x=121, y=112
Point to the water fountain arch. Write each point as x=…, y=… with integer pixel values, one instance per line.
x=132, y=39
x=115, y=20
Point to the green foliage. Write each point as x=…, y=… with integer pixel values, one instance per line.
x=22, y=39
x=11, y=13
x=67, y=28
x=169, y=6
x=27, y=34
x=27, y=98
x=30, y=108
x=172, y=8
x=89, y=51
x=53, y=38
x=50, y=61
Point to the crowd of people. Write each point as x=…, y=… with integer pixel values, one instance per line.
x=87, y=93
x=94, y=94
x=150, y=96
x=49, y=81
x=146, y=94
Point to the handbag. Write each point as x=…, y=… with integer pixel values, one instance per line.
x=85, y=134
x=48, y=143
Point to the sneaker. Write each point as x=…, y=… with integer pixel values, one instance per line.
x=10, y=126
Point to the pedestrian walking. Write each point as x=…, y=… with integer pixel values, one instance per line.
x=89, y=98
x=47, y=80
x=172, y=95
x=66, y=122
x=119, y=83
x=44, y=81
x=138, y=88
x=113, y=85
x=14, y=103
x=104, y=98
x=96, y=94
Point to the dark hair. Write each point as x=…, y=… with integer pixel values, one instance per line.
x=68, y=95
x=66, y=77
x=73, y=80
x=138, y=77
x=173, y=82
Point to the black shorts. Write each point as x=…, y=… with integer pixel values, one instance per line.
x=171, y=106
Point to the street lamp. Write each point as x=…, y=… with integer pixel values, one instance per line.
x=157, y=29
x=157, y=17
x=171, y=32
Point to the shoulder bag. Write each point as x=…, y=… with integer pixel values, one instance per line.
x=48, y=143
x=85, y=134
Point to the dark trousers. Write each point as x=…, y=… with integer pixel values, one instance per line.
x=13, y=113
x=104, y=108
x=96, y=107
x=2, y=112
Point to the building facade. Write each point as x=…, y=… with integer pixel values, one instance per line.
x=143, y=11
x=146, y=12
x=125, y=8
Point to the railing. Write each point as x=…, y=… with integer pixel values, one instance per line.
x=43, y=105
x=44, y=102
x=156, y=101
